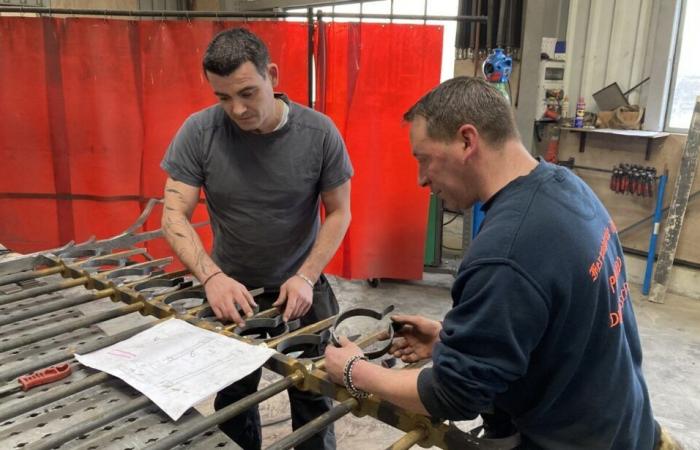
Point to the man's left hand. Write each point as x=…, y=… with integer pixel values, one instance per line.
x=337, y=357
x=298, y=296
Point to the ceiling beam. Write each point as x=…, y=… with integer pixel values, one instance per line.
x=257, y=5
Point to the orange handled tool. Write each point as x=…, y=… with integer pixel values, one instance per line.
x=38, y=378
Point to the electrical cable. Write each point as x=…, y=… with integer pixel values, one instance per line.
x=451, y=220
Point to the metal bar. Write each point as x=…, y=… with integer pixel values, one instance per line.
x=28, y=275
x=55, y=305
x=27, y=404
x=226, y=413
x=33, y=292
x=305, y=432
x=103, y=418
x=679, y=205
x=409, y=439
x=501, y=24
x=58, y=356
x=490, y=8
x=141, y=219
x=309, y=329
x=226, y=14
x=310, y=56
x=654, y=235
x=71, y=325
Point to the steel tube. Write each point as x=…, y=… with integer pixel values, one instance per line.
x=409, y=439
x=27, y=404
x=310, y=56
x=28, y=275
x=103, y=418
x=58, y=356
x=71, y=325
x=55, y=305
x=224, y=414
x=34, y=292
x=225, y=14
x=302, y=434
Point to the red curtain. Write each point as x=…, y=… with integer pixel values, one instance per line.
x=369, y=75
x=89, y=106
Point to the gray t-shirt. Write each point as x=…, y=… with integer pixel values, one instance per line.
x=262, y=190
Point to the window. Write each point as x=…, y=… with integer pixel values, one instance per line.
x=685, y=85
x=412, y=7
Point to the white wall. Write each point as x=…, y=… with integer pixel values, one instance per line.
x=622, y=41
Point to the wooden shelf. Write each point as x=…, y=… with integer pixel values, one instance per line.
x=650, y=136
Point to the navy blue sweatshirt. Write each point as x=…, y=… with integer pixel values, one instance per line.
x=542, y=325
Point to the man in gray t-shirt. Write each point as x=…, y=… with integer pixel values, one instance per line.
x=265, y=164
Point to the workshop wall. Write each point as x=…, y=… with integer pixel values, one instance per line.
x=609, y=42
x=606, y=151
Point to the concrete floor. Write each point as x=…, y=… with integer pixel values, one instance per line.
x=670, y=338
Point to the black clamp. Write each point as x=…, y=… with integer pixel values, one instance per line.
x=161, y=286
x=267, y=328
x=366, y=312
x=311, y=346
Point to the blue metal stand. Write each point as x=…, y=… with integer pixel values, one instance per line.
x=654, y=234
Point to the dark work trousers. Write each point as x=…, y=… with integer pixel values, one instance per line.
x=244, y=429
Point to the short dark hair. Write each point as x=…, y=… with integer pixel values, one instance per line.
x=232, y=48
x=465, y=100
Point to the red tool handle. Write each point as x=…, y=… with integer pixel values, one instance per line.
x=44, y=376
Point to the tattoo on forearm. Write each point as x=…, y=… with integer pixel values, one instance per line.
x=185, y=242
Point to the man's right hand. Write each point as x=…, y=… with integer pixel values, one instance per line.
x=224, y=293
x=416, y=338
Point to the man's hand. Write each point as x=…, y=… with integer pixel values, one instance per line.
x=416, y=338
x=337, y=357
x=224, y=293
x=298, y=295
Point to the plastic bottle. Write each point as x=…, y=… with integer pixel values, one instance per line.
x=565, y=108
x=580, y=110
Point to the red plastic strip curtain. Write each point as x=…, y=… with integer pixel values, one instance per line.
x=369, y=75
x=88, y=109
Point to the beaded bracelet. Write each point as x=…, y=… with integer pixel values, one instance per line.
x=347, y=377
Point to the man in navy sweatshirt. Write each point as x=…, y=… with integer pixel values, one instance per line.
x=542, y=330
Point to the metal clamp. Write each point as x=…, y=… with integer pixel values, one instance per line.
x=311, y=346
x=366, y=312
x=161, y=286
x=267, y=328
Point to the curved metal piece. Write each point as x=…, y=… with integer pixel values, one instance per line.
x=266, y=329
x=73, y=254
x=366, y=312
x=208, y=312
x=132, y=274
x=311, y=346
x=103, y=265
x=161, y=286
x=144, y=215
